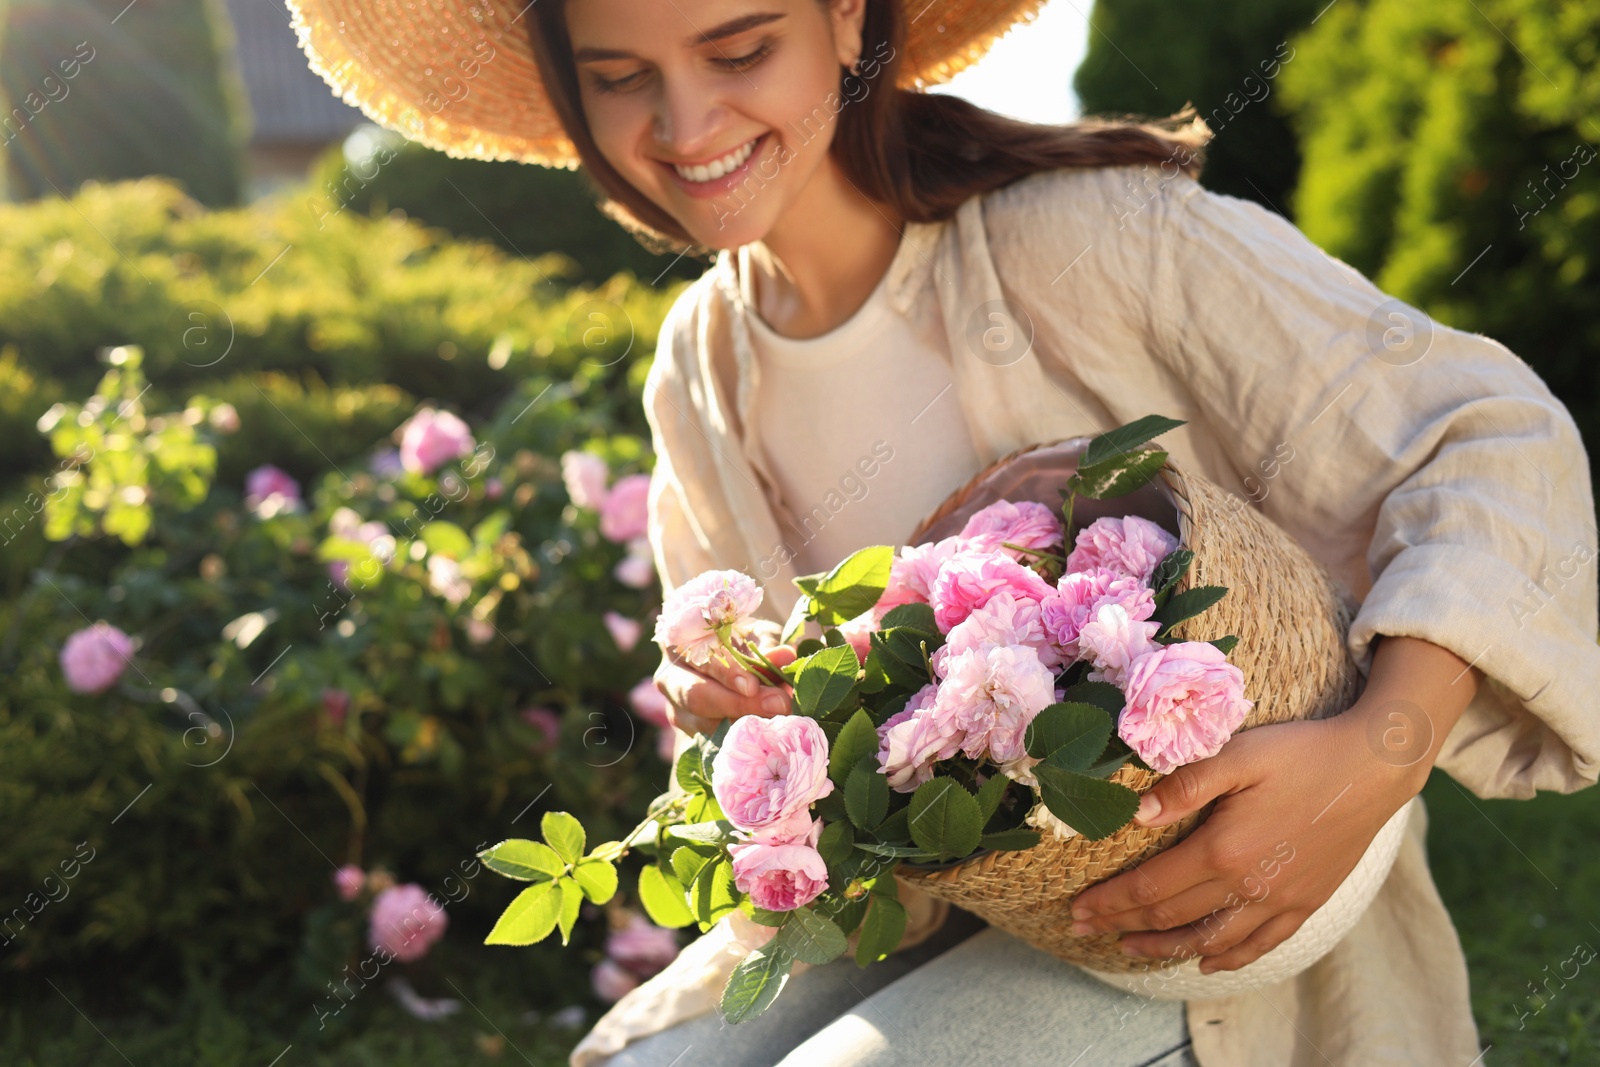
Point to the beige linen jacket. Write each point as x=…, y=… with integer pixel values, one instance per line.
x=1434, y=473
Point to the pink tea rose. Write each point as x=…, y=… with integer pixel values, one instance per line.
x=623, y=513
x=858, y=633
x=431, y=438
x=1004, y=620
x=611, y=981
x=624, y=631
x=92, y=659
x=547, y=722
x=445, y=579
x=912, y=573
x=770, y=769
x=1026, y=523
x=648, y=702
x=968, y=579
x=269, y=491
x=913, y=739
x=1184, y=701
x=1113, y=640
x=405, y=922
x=584, y=475
x=636, y=570
x=224, y=418
x=641, y=946
x=698, y=612
x=991, y=693
x=348, y=880
x=1129, y=545
x=780, y=867
x=1079, y=593
x=335, y=704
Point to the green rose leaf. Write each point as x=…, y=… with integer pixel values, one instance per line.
x=1010, y=840
x=899, y=653
x=528, y=918
x=663, y=898
x=853, y=586
x=1094, y=807
x=691, y=772
x=597, y=879
x=811, y=938
x=945, y=818
x=825, y=680
x=896, y=829
x=913, y=616
x=990, y=794
x=1187, y=604
x=447, y=539
x=796, y=622
x=564, y=834
x=768, y=918
x=714, y=892
x=866, y=794
x=881, y=929
x=1125, y=437
x=1102, y=695
x=526, y=861
x=755, y=983
x=1119, y=475
x=834, y=844
x=1170, y=569
x=703, y=833
x=1070, y=735
x=1109, y=761
x=1225, y=644
x=687, y=864
x=571, y=900
x=857, y=740
x=610, y=851
x=910, y=852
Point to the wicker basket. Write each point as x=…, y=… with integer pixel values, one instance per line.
x=1291, y=619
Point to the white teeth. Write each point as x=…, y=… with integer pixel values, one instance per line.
x=717, y=167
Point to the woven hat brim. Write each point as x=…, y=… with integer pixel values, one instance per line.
x=459, y=75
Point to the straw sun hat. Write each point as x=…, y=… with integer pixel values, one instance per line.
x=459, y=75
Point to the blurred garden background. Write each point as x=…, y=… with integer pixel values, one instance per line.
x=338, y=442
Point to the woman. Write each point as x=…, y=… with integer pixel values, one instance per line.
x=908, y=287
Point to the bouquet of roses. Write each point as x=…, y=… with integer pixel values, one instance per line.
x=966, y=695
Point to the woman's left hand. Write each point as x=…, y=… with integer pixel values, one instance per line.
x=1297, y=805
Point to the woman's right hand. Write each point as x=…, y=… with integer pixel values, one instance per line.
x=699, y=698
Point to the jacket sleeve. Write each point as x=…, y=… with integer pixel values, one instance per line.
x=678, y=540
x=1360, y=425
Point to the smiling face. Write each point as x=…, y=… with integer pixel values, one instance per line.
x=718, y=111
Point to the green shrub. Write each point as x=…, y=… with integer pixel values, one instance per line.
x=527, y=210
x=217, y=784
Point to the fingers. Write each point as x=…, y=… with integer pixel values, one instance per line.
x=697, y=702
x=1169, y=912
x=782, y=655
x=1188, y=789
x=1211, y=935
x=1266, y=937
x=1185, y=865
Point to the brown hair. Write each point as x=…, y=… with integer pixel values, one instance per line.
x=922, y=153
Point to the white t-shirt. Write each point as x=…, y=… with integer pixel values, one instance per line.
x=860, y=426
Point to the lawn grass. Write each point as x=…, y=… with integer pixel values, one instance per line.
x=1521, y=879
